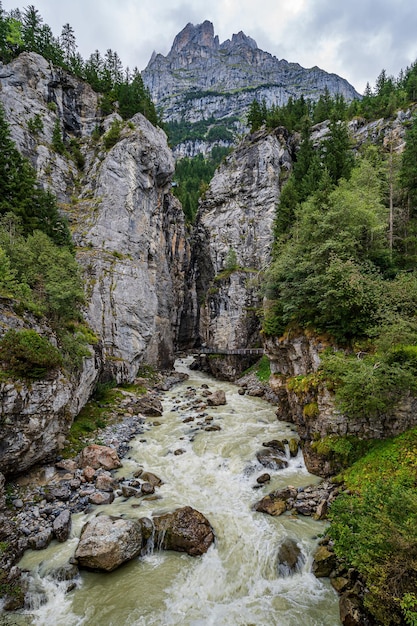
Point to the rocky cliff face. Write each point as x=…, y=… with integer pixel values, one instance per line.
x=310, y=404
x=202, y=78
x=233, y=239
x=130, y=240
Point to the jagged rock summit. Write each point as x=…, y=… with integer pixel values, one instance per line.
x=201, y=77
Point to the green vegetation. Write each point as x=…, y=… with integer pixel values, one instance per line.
x=262, y=369
x=25, y=30
x=375, y=526
x=344, y=264
x=38, y=271
x=388, y=95
x=192, y=177
x=25, y=353
x=204, y=130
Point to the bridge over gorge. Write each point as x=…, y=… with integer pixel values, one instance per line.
x=233, y=351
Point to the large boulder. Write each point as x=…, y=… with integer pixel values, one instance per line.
x=96, y=456
x=184, y=530
x=107, y=542
x=324, y=562
x=217, y=398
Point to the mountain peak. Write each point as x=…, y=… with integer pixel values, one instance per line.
x=201, y=35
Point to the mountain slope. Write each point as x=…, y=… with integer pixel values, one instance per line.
x=201, y=78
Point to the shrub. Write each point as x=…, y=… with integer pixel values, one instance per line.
x=113, y=134
x=25, y=353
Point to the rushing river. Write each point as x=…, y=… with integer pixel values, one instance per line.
x=237, y=582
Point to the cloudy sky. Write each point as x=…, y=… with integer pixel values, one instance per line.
x=355, y=39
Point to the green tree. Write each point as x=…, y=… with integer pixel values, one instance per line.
x=255, y=116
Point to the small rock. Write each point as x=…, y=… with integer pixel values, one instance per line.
x=179, y=452
x=263, y=478
x=212, y=428
x=62, y=526
x=101, y=497
x=147, y=488
x=324, y=562
x=293, y=445
x=97, y=456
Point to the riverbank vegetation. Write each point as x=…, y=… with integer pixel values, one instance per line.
x=344, y=265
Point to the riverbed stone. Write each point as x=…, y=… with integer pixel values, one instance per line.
x=107, y=542
x=62, y=526
x=97, y=456
x=275, y=444
x=217, y=398
x=263, y=478
x=41, y=540
x=149, y=477
x=270, y=458
x=184, y=530
x=101, y=497
x=290, y=557
x=293, y=446
x=106, y=482
x=275, y=503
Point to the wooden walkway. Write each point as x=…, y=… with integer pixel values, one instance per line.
x=236, y=351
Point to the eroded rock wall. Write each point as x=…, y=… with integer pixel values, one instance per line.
x=310, y=405
x=130, y=240
x=234, y=237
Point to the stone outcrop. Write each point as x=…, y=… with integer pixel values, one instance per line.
x=200, y=74
x=311, y=406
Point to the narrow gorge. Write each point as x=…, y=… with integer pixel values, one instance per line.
x=217, y=468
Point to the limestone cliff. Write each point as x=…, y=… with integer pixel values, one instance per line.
x=130, y=239
x=233, y=239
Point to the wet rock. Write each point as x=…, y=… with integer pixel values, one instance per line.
x=212, y=428
x=62, y=526
x=339, y=583
x=271, y=459
x=69, y=571
x=179, y=452
x=107, y=542
x=290, y=557
x=151, y=478
x=101, y=497
x=106, y=482
x=97, y=456
x=275, y=444
x=263, y=478
x=188, y=419
x=293, y=446
x=275, y=503
x=217, y=398
x=184, y=530
x=324, y=562
x=130, y=492
x=147, y=489
x=241, y=391
x=149, y=405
